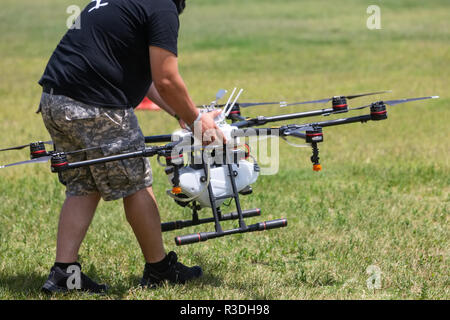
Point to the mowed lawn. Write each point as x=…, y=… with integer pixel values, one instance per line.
x=381, y=203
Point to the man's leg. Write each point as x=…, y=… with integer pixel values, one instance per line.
x=76, y=216
x=142, y=214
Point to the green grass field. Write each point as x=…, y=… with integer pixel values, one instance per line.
x=382, y=198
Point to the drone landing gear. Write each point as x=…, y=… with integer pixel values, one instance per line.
x=218, y=216
x=180, y=224
x=203, y=236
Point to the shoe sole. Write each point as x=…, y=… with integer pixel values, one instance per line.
x=148, y=284
x=49, y=287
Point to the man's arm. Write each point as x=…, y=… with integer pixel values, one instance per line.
x=173, y=91
x=170, y=85
x=154, y=96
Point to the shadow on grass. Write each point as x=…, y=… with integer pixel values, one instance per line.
x=22, y=286
x=27, y=286
x=129, y=288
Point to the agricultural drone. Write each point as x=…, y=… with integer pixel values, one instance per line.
x=207, y=176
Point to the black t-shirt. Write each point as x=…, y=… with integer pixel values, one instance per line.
x=106, y=61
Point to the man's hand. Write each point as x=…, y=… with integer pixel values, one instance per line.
x=207, y=130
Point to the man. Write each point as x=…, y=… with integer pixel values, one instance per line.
x=124, y=50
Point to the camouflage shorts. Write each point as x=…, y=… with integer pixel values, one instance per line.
x=74, y=125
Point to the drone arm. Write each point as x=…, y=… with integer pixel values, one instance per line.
x=60, y=163
x=158, y=138
x=337, y=122
x=151, y=151
x=147, y=152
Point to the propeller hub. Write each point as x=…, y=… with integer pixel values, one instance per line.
x=340, y=103
x=37, y=150
x=59, y=162
x=235, y=113
x=378, y=111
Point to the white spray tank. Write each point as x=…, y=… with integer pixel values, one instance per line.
x=192, y=179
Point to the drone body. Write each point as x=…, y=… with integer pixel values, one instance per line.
x=193, y=182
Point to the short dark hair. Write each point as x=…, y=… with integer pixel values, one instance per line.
x=181, y=4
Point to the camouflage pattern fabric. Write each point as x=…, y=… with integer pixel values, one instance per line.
x=74, y=125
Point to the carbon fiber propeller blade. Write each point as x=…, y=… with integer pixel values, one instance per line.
x=310, y=102
x=367, y=94
x=329, y=99
x=399, y=101
x=252, y=104
x=23, y=146
x=285, y=104
x=246, y=105
x=297, y=132
x=16, y=148
x=37, y=160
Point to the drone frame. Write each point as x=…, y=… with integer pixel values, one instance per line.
x=312, y=133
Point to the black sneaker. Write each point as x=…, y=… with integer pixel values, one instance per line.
x=176, y=273
x=58, y=281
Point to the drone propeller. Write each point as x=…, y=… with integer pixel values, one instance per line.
x=285, y=104
x=24, y=146
x=295, y=144
x=37, y=160
x=329, y=99
x=399, y=101
x=252, y=104
x=298, y=131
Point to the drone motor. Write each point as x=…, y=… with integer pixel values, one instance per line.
x=378, y=111
x=235, y=114
x=315, y=135
x=37, y=150
x=59, y=162
x=340, y=104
